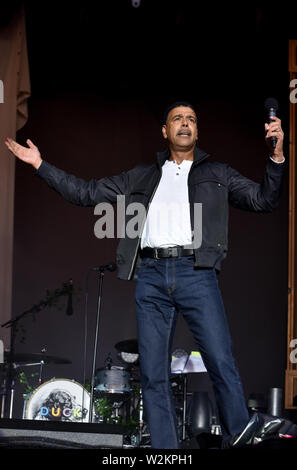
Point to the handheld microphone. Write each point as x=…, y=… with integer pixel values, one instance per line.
x=69, y=309
x=271, y=106
x=107, y=267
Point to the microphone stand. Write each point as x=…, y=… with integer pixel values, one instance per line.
x=99, y=301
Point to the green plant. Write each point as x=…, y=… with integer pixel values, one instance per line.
x=104, y=410
x=24, y=381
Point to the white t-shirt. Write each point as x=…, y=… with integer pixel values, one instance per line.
x=168, y=220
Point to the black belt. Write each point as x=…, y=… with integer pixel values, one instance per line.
x=170, y=252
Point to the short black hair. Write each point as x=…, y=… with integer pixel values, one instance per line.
x=186, y=104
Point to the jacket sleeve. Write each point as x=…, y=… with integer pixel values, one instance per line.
x=81, y=192
x=257, y=197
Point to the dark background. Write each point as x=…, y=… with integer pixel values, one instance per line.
x=101, y=76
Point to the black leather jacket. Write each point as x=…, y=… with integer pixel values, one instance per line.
x=213, y=184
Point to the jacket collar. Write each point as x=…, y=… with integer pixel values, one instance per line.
x=199, y=155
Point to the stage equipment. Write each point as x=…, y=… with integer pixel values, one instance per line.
x=21, y=360
x=128, y=351
x=256, y=402
x=181, y=365
x=114, y=380
x=275, y=402
x=33, y=359
x=8, y=395
x=101, y=270
x=58, y=400
x=200, y=414
x=105, y=267
x=34, y=434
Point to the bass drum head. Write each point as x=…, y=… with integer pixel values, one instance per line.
x=59, y=400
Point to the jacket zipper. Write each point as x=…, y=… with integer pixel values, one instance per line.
x=191, y=169
x=157, y=184
x=139, y=238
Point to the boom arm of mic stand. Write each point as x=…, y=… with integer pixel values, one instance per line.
x=42, y=304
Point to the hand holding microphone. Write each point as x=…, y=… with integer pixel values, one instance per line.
x=274, y=133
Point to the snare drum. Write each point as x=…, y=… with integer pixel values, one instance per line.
x=58, y=400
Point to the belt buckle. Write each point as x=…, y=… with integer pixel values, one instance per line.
x=173, y=251
x=156, y=253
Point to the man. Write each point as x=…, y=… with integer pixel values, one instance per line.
x=175, y=273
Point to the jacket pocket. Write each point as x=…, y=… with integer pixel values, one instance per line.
x=212, y=194
x=219, y=182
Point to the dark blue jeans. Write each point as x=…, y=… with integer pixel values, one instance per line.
x=164, y=288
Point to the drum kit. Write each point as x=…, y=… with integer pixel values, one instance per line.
x=113, y=395
x=117, y=393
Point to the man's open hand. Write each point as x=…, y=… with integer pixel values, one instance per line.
x=28, y=154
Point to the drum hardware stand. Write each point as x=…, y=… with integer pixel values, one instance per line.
x=185, y=384
x=141, y=421
x=12, y=325
x=184, y=392
x=10, y=382
x=40, y=378
x=42, y=364
x=116, y=407
x=3, y=393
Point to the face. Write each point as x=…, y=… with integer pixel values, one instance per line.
x=181, y=128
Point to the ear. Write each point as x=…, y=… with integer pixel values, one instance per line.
x=164, y=132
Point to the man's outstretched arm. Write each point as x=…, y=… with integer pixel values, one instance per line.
x=71, y=188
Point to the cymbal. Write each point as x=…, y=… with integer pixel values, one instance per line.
x=128, y=346
x=24, y=358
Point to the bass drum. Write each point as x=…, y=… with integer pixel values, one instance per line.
x=59, y=400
